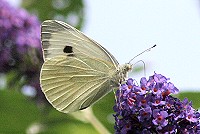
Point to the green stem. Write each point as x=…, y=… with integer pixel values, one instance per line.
x=89, y=115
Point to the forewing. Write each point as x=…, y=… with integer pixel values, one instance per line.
x=71, y=83
x=59, y=38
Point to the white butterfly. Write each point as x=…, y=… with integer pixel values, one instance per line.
x=77, y=71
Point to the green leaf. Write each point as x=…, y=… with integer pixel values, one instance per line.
x=69, y=127
x=71, y=11
x=57, y=122
x=17, y=112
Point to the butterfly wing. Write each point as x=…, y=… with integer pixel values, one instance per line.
x=77, y=71
x=59, y=37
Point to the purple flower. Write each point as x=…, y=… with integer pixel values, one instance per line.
x=20, y=47
x=156, y=91
x=190, y=116
x=158, y=78
x=158, y=101
x=150, y=108
x=143, y=100
x=160, y=118
x=144, y=86
x=145, y=114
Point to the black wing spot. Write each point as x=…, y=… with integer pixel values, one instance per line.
x=68, y=50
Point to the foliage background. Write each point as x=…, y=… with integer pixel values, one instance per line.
x=20, y=113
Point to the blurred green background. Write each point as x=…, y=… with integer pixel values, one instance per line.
x=23, y=107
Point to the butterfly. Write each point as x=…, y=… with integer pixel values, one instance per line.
x=77, y=71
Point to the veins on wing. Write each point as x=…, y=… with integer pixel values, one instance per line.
x=96, y=85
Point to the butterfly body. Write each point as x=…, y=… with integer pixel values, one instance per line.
x=77, y=71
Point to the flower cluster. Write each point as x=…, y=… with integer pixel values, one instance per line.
x=20, y=47
x=149, y=108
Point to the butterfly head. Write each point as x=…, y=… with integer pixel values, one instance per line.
x=122, y=72
x=126, y=68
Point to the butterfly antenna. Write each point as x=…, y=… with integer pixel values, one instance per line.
x=147, y=50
